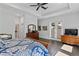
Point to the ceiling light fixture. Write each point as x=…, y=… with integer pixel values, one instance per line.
x=40, y=5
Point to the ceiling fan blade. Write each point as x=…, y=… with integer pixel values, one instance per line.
x=44, y=7
x=37, y=8
x=33, y=5
x=38, y=3
x=44, y=3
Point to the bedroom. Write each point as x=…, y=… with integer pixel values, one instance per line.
x=15, y=19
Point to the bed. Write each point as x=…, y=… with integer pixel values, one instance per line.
x=22, y=47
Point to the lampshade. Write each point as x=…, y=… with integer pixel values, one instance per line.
x=59, y=24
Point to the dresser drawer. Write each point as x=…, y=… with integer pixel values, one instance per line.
x=70, y=39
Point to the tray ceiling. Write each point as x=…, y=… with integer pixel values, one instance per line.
x=53, y=8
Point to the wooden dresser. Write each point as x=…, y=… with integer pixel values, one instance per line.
x=33, y=35
x=69, y=39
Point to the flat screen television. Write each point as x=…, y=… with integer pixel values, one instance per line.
x=71, y=32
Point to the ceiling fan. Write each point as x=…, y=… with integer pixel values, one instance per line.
x=40, y=5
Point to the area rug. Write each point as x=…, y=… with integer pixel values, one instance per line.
x=67, y=48
x=61, y=54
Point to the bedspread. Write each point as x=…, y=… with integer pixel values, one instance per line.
x=22, y=48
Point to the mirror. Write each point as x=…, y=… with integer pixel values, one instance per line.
x=31, y=28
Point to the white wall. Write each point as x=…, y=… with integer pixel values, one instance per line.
x=7, y=22
x=28, y=19
x=70, y=20
x=44, y=34
x=8, y=19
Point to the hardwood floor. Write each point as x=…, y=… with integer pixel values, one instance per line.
x=55, y=46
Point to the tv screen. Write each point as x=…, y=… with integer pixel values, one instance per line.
x=71, y=32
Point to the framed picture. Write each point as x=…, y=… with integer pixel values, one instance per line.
x=44, y=28
x=39, y=28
